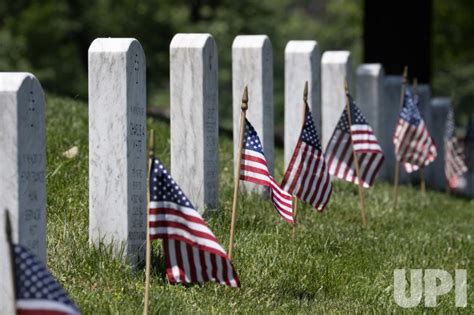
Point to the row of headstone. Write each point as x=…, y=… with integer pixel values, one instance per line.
x=117, y=127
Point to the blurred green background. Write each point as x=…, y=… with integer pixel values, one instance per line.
x=50, y=38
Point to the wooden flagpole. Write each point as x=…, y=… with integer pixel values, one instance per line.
x=295, y=199
x=243, y=107
x=151, y=154
x=422, y=168
x=397, y=162
x=9, y=235
x=356, y=160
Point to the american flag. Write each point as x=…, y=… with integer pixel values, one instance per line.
x=192, y=252
x=37, y=292
x=307, y=175
x=413, y=143
x=254, y=169
x=454, y=166
x=357, y=137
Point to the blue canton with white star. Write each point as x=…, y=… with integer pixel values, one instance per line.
x=164, y=188
x=309, y=133
x=410, y=112
x=251, y=140
x=357, y=118
x=34, y=282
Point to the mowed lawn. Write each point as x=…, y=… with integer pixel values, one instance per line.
x=332, y=266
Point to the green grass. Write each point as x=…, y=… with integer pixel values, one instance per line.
x=333, y=265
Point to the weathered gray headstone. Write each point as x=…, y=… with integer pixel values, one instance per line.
x=424, y=94
x=469, y=189
x=335, y=67
x=435, y=176
x=252, y=66
x=195, y=117
x=370, y=99
x=117, y=146
x=23, y=166
x=302, y=63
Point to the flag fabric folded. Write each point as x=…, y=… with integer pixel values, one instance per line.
x=454, y=166
x=192, y=252
x=36, y=290
x=254, y=169
x=413, y=143
x=356, y=136
x=307, y=175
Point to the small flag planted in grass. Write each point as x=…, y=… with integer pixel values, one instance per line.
x=307, y=175
x=454, y=166
x=36, y=290
x=192, y=252
x=413, y=143
x=254, y=169
x=353, y=135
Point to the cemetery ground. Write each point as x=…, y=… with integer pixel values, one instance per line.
x=333, y=265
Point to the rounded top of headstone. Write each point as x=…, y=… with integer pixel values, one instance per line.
x=441, y=101
x=301, y=46
x=12, y=81
x=336, y=56
x=190, y=40
x=423, y=88
x=113, y=44
x=393, y=79
x=371, y=69
x=252, y=41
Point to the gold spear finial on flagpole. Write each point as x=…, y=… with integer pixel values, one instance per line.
x=244, y=106
x=151, y=144
x=151, y=154
x=245, y=99
x=305, y=93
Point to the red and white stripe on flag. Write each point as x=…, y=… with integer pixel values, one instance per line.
x=341, y=158
x=307, y=176
x=454, y=163
x=188, y=264
x=193, y=254
x=413, y=145
x=254, y=169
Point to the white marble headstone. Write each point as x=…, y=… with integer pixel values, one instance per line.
x=117, y=146
x=370, y=99
x=335, y=68
x=22, y=171
x=302, y=63
x=195, y=118
x=252, y=66
x=23, y=165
